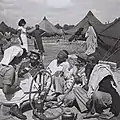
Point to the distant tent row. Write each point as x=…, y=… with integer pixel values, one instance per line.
x=44, y=25
x=108, y=36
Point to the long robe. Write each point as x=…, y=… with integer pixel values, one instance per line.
x=38, y=43
x=91, y=41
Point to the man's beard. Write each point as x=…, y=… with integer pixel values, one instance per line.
x=34, y=63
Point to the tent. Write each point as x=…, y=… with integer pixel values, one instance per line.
x=5, y=28
x=49, y=27
x=84, y=23
x=109, y=42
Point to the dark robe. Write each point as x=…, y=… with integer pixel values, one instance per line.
x=38, y=43
x=105, y=86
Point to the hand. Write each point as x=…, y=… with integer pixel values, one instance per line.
x=60, y=97
x=75, y=69
x=18, y=88
x=21, y=43
x=58, y=73
x=77, y=79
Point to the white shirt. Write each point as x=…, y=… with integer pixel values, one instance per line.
x=23, y=37
x=53, y=67
x=10, y=53
x=91, y=41
x=23, y=30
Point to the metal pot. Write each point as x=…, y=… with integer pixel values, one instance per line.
x=68, y=115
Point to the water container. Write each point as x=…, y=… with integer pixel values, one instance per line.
x=68, y=115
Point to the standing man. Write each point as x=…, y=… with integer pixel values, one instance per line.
x=62, y=74
x=38, y=40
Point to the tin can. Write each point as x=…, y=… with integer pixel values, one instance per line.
x=68, y=115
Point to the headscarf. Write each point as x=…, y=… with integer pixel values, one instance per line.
x=63, y=53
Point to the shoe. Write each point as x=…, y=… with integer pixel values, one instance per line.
x=15, y=111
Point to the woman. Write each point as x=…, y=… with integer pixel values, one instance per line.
x=22, y=34
x=91, y=40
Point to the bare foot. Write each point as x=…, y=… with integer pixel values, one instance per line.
x=89, y=115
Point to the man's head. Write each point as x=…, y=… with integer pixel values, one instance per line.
x=62, y=56
x=34, y=56
x=81, y=61
x=37, y=26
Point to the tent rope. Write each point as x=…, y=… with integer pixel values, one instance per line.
x=113, y=53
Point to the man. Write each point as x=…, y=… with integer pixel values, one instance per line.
x=60, y=70
x=29, y=68
x=37, y=33
x=34, y=61
x=9, y=85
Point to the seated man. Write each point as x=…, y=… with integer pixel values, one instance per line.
x=60, y=70
x=28, y=69
x=9, y=85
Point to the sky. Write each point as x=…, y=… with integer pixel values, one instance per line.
x=57, y=11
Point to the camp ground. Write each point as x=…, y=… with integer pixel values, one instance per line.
x=103, y=46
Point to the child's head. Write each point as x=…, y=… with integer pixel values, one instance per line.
x=92, y=60
x=82, y=59
x=22, y=22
